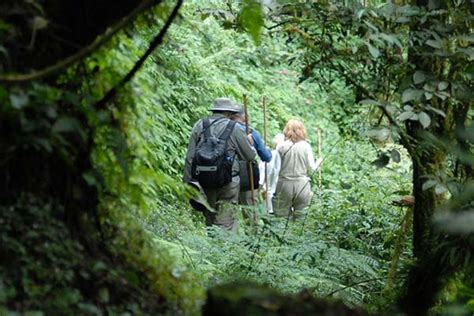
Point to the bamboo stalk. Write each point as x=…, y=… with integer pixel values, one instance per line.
x=249, y=163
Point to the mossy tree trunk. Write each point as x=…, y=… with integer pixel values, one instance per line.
x=430, y=151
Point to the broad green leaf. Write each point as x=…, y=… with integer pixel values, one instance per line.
x=390, y=38
x=418, y=77
x=251, y=18
x=434, y=44
x=410, y=94
x=403, y=19
x=371, y=26
x=39, y=23
x=373, y=51
x=19, y=101
x=414, y=117
x=104, y=295
x=65, y=124
x=90, y=178
x=442, y=85
x=429, y=87
x=405, y=115
x=424, y=119
x=443, y=95
x=44, y=143
x=437, y=111
x=370, y=102
x=395, y=155
x=380, y=134
x=360, y=13
x=439, y=188
x=467, y=38
x=469, y=52
x=428, y=184
x=3, y=50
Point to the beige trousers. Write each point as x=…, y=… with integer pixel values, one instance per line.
x=249, y=210
x=224, y=200
x=291, y=197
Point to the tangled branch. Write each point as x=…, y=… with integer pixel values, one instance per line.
x=13, y=78
x=153, y=45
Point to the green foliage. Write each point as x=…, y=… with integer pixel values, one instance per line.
x=348, y=236
x=135, y=246
x=41, y=274
x=250, y=18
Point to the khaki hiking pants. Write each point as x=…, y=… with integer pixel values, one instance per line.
x=249, y=205
x=224, y=200
x=292, y=196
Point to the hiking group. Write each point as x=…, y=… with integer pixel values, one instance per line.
x=221, y=164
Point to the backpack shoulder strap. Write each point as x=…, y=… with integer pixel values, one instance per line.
x=205, y=127
x=284, y=154
x=228, y=130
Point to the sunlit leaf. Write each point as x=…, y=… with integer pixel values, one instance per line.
x=434, y=43
x=440, y=189
x=395, y=155
x=442, y=85
x=405, y=115
x=39, y=23
x=424, y=119
x=373, y=51
x=410, y=94
x=418, y=77
x=428, y=184
x=19, y=100
x=380, y=134
x=435, y=110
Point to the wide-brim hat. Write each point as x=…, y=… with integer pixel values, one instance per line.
x=225, y=105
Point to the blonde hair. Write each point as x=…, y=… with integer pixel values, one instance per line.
x=295, y=131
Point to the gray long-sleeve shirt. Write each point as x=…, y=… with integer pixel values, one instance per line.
x=237, y=145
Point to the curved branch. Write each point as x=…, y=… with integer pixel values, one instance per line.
x=68, y=61
x=153, y=45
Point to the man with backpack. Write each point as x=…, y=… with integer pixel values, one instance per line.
x=215, y=146
x=262, y=151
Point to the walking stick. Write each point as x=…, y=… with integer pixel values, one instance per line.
x=319, y=156
x=265, y=142
x=249, y=164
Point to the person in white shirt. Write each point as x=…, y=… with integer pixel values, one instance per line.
x=293, y=191
x=273, y=169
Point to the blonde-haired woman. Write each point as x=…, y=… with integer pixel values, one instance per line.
x=293, y=191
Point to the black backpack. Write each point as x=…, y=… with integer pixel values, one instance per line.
x=245, y=175
x=211, y=166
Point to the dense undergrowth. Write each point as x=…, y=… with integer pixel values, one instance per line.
x=342, y=249
x=344, y=246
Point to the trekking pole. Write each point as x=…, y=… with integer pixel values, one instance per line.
x=318, y=131
x=265, y=142
x=249, y=164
